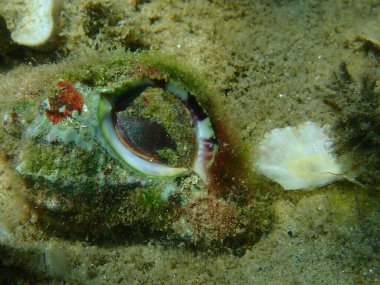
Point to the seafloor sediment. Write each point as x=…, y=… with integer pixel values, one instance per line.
x=272, y=64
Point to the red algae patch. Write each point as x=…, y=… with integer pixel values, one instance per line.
x=64, y=103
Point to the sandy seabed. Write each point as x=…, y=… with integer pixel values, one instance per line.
x=273, y=61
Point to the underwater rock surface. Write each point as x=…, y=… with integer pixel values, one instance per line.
x=73, y=211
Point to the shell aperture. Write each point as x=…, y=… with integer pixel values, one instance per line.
x=136, y=140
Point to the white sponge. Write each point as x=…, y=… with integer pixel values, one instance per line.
x=298, y=157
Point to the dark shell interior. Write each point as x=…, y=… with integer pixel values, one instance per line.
x=157, y=126
x=145, y=137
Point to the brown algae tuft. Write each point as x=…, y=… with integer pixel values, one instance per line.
x=356, y=100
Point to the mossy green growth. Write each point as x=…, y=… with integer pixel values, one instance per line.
x=100, y=68
x=78, y=183
x=152, y=208
x=67, y=167
x=181, y=72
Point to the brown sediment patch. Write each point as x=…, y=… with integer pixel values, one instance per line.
x=228, y=171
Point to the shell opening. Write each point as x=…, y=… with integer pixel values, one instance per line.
x=127, y=134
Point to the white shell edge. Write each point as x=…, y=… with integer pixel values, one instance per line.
x=137, y=163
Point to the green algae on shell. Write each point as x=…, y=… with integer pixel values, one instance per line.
x=77, y=182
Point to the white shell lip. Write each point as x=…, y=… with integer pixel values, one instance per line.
x=202, y=127
x=137, y=163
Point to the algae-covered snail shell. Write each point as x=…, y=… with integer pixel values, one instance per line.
x=115, y=129
x=135, y=143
